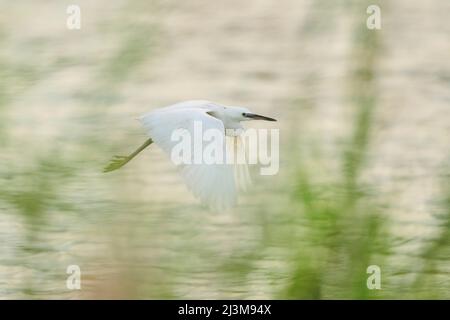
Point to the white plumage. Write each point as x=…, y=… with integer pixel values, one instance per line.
x=214, y=184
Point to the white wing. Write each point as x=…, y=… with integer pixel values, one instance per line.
x=214, y=184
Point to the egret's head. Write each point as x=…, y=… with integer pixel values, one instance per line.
x=243, y=114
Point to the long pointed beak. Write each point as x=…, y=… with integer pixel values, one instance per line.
x=258, y=117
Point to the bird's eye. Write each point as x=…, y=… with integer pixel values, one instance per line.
x=243, y=114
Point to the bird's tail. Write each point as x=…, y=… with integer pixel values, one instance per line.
x=118, y=162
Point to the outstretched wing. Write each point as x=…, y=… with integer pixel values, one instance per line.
x=213, y=183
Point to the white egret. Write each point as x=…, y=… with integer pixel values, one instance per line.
x=215, y=184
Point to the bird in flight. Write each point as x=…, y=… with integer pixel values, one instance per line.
x=215, y=184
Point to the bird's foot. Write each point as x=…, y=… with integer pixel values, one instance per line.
x=116, y=163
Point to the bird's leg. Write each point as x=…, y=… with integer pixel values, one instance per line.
x=118, y=162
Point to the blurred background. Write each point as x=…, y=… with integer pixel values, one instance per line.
x=364, y=125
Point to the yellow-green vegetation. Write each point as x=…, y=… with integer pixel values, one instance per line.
x=310, y=232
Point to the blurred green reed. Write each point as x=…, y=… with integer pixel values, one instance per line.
x=344, y=228
x=40, y=183
x=328, y=234
x=432, y=282
x=344, y=232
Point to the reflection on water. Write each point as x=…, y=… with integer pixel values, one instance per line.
x=341, y=202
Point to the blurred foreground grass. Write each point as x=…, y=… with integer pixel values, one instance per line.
x=344, y=230
x=59, y=209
